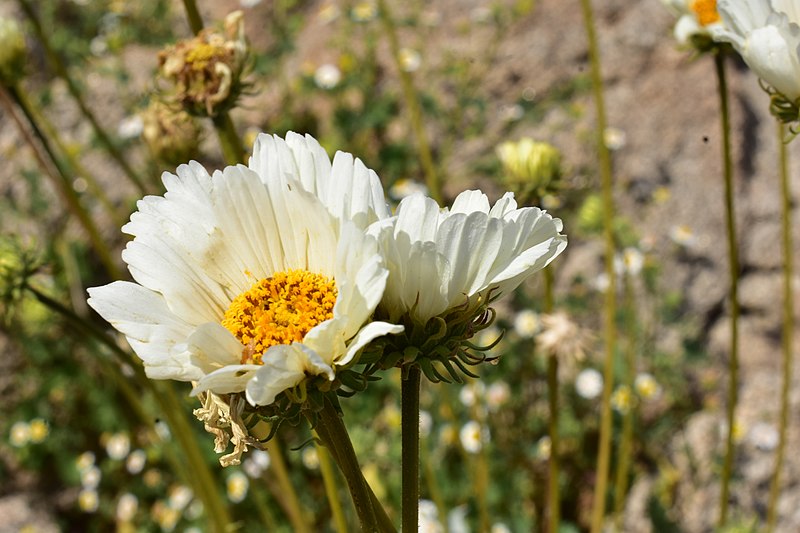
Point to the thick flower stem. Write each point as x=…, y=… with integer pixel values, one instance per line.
x=788, y=326
x=193, y=14
x=733, y=265
x=610, y=333
x=334, y=435
x=331, y=490
x=409, y=410
x=412, y=104
x=62, y=181
x=229, y=140
x=61, y=71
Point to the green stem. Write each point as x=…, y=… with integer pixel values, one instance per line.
x=61, y=71
x=286, y=495
x=626, y=442
x=788, y=326
x=733, y=264
x=610, y=333
x=229, y=140
x=73, y=162
x=331, y=490
x=409, y=413
x=429, y=471
x=62, y=181
x=334, y=435
x=432, y=179
x=193, y=14
x=553, y=496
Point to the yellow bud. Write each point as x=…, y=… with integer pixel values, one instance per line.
x=12, y=52
x=530, y=167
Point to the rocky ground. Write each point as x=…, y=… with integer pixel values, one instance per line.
x=665, y=103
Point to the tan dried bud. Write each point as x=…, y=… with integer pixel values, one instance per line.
x=207, y=70
x=171, y=134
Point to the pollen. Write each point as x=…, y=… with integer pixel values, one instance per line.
x=280, y=309
x=706, y=11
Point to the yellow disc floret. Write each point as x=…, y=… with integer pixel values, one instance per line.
x=280, y=309
x=706, y=11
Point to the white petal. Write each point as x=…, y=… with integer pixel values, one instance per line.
x=212, y=347
x=227, y=380
x=470, y=202
x=284, y=367
x=368, y=333
x=152, y=330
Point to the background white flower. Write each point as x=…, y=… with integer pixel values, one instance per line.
x=438, y=257
x=291, y=224
x=767, y=35
x=695, y=18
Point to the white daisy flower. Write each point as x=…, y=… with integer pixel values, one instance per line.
x=327, y=76
x=696, y=18
x=766, y=34
x=589, y=383
x=127, y=505
x=118, y=445
x=527, y=323
x=136, y=461
x=473, y=436
x=438, y=257
x=253, y=279
x=237, y=486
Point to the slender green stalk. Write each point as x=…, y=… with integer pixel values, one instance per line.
x=229, y=140
x=429, y=471
x=61, y=71
x=286, y=495
x=73, y=162
x=409, y=413
x=62, y=181
x=788, y=326
x=198, y=470
x=610, y=333
x=331, y=490
x=412, y=103
x=553, y=496
x=626, y=441
x=262, y=507
x=481, y=466
x=733, y=265
x=334, y=435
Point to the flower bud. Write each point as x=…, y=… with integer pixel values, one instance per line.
x=12, y=52
x=531, y=168
x=206, y=70
x=171, y=134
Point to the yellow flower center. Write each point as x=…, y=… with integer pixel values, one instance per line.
x=706, y=11
x=280, y=309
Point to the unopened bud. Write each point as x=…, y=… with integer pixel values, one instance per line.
x=171, y=134
x=531, y=168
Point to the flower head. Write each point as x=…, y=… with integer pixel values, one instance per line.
x=767, y=35
x=254, y=281
x=531, y=168
x=446, y=266
x=207, y=69
x=697, y=19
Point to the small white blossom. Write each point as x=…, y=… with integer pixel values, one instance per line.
x=20, y=434
x=90, y=477
x=647, y=387
x=310, y=458
x=409, y=59
x=127, y=505
x=118, y=445
x=764, y=436
x=527, y=323
x=497, y=395
x=589, y=383
x=327, y=76
x=237, y=486
x=473, y=436
x=425, y=424
x=88, y=500
x=256, y=463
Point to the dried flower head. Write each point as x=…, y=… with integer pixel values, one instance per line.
x=171, y=134
x=207, y=69
x=561, y=337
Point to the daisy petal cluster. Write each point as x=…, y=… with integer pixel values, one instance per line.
x=767, y=35
x=256, y=279
x=447, y=265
